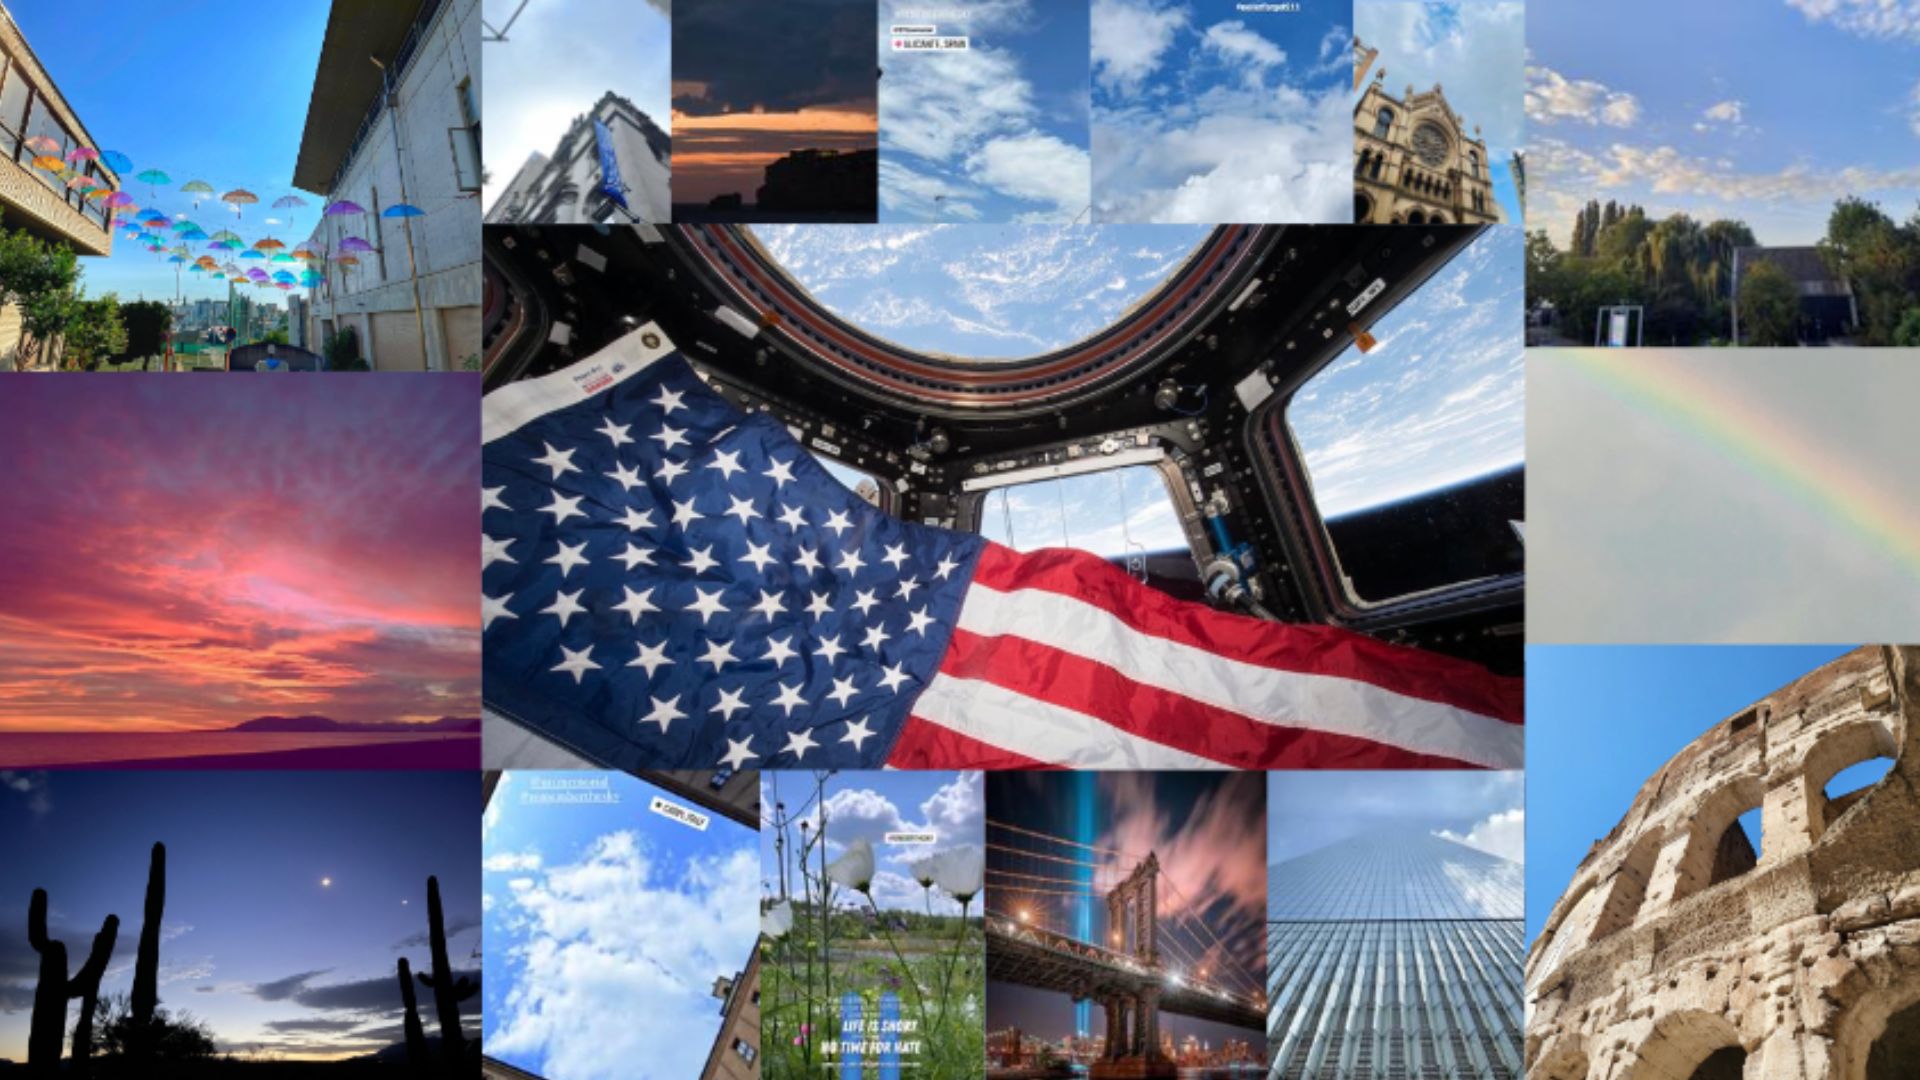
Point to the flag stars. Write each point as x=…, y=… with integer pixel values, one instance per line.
x=635, y=519
x=808, y=560
x=700, y=559
x=770, y=604
x=719, y=654
x=731, y=701
x=838, y=521
x=568, y=557
x=665, y=711
x=493, y=551
x=760, y=555
x=494, y=607
x=490, y=499
x=947, y=565
x=577, y=663
x=780, y=650
x=789, y=699
x=615, y=432
x=876, y=636
x=636, y=604
x=560, y=461
x=635, y=556
x=896, y=556
x=791, y=517
x=739, y=751
x=670, y=470
x=850, y=561
x=684, y=514
x=726, y=462
x=842, y=691
x=564, y=607
x=895, y=676
x=741, y=508
x=918, y=621
x=669, y=436
x=864, y=600
x=626, y=476
x=652, y=658
x=563, y=508
x=708, y=605
x=857, y=733
x=669, y=401
x=820, y=605
x=780, y=472
x=829, y=647
x=907, y=586
x=798, y=743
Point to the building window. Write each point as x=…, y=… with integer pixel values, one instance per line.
x=745, y=1050
x=465, y=141
x=1382, y=123
x=14, y=93
x=1124, y=515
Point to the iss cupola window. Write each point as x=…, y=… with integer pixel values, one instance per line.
x=980, y=294
x=1414, y=448
x=1124, y=515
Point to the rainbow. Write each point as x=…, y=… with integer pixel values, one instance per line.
x=1807, y=465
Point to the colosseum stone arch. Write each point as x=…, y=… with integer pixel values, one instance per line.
x=1680, y=953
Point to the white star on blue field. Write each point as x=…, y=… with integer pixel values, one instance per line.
x=1438, y=401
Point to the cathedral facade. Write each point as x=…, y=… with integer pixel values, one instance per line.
x=1415, y=162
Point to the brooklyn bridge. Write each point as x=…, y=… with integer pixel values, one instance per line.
x=1112, y=928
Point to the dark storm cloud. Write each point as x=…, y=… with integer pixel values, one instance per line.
x=733, y=55
x=456, y=926
x=282, y=989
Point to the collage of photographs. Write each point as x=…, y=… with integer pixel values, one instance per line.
x=1016, y=540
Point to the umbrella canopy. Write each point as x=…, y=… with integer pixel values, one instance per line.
x=117, y=161
x=403, y=210
x=269, y=244
x=238, y=198
x=82, y=182
x=282, y=275
x=288, y=201
x=153, y=176
x=83, y=153
x=99, y=193
x=184, y=225
x=176, y=259
x=50, y=162
x=41, y=144
x=121, y=200
x=344, y=206
x=226, y=234
x=346, y=260
x=354, y=243
x=282, y=257
x=257, y=274
x=252, y=254
x=197, y=188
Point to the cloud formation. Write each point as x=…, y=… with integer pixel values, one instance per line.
x=1551, y=97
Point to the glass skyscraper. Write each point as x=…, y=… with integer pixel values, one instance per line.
x=1394, y=955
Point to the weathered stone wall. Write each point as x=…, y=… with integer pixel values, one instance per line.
x=1648, y=965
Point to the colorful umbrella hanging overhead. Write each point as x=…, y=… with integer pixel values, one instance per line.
x=354, y=243
x=41, y=144
x=117, y=161
x=268, y=243
x=344, y=206
x=238, y=198
x=83, y=153
x=346, y=260
x=120, y=200
x=50, y=162
x=197, y=188
x=150, y=177
x=403, y=210
x=289, y=202
x=83, y=182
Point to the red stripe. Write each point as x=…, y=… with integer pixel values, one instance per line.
x=1302, y=648
x=1074, y=682
x=923, y=745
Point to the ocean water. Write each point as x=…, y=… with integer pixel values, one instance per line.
x=34, y=750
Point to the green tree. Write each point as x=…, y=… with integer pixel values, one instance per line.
x=148, y=324
x=1907, y=334
x=39, y=278
x=1769, y=306
x=1879, y=259
x=342, y=351
x=93, y=331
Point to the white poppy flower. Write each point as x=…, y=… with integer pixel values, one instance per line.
x=923, y=871
x=855, y=868
x=777, y=920
x=960, y=871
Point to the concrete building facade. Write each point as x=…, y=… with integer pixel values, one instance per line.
x=570, y=187
x=395, y=118
x=1414, y=162
x=1678, y=952
x=35, y=200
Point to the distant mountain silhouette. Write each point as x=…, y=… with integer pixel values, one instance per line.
x=446, y=724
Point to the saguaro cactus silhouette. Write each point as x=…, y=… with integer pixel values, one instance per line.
x=47, y=1031
x=416, y=1035
x=146, y=971
x=448, y=991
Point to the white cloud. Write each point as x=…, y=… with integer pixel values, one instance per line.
x=1129, y=39
x=1475, y=51
x=1037, y=167
x=1237, y=44
x=612, y=930
x=1503, y=833
x=1552, y=97
x=511, y=862
x=1896, y=20
x=1726, y=111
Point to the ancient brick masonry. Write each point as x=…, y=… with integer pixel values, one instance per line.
x=1678, y=952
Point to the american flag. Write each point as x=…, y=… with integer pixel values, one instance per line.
x=671, y=582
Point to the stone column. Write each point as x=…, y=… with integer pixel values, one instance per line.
x=1111, y=1048
x=1791, y=818
x=1150, y=1022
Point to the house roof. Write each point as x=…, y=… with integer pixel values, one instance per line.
x=347, y=82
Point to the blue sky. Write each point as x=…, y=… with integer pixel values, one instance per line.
x=870, y=805
x=1602, y=719
x=606, y=924
x=995, y=132
x=1204, y=111
x=1475, y=50
x=289, y=895
x=1726, y=110
x=1309, y=810
x=212, y=90
x=559, y=58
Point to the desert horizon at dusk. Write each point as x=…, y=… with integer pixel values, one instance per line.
x=185, y=556
x=270, y=911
